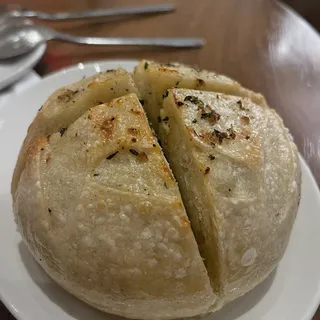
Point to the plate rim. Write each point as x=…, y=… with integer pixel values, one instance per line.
x=88, y=64
x=314, y=304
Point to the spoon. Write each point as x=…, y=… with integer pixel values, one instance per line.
x=20, y=12
x=20, y=36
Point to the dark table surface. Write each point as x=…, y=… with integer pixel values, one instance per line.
x=263, y=44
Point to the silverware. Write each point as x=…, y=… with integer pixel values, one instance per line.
x=19, y=12
x=20, y=36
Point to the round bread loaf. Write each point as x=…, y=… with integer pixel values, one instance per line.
x=98, y=207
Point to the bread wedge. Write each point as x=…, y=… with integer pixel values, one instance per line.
x=67, y=104
x=239, y=175
x=153, y=79
x=100, y=210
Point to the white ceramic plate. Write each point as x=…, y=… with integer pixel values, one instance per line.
x=13, y=69
x=292, y=292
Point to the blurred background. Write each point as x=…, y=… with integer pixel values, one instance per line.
x=309, y=9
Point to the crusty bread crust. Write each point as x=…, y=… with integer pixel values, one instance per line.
x=153, y=79
x=239, y=175
x=67, y=104
x=99, y=209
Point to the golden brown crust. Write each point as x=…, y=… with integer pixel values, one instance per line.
x=67, y=104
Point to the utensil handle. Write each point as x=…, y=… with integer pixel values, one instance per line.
x=157, y=42
x=157, y=8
